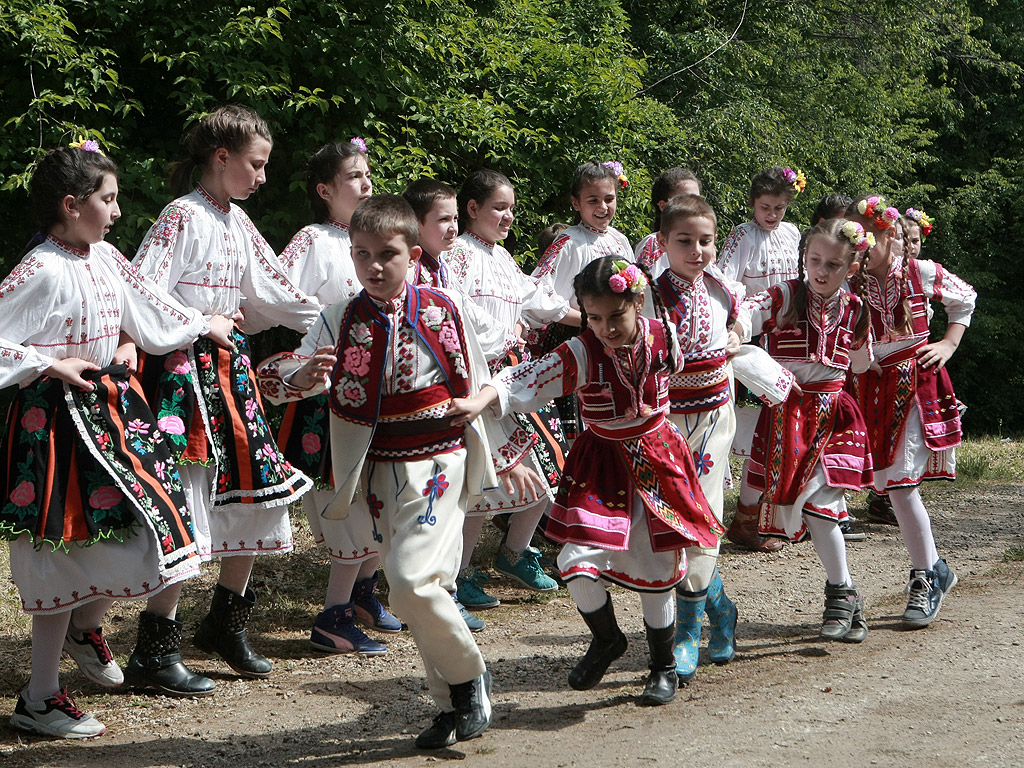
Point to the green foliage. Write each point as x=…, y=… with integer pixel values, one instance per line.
x=920, y=103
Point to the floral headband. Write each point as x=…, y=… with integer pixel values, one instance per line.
x=360, y=143
x=859, y=237
x=86, y=145
x=874, y=208
x=616, y=167
x=796, y=178
x=627, y=277
x=926, y=222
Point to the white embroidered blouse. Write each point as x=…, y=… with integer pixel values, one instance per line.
x=760, y=258
x=214, y=259
x=572, y=251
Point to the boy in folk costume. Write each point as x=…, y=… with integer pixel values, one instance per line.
x=395, y=355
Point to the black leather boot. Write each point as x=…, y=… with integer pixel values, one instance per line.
x=662, y=682
x=222, y=631
x=607, y=645
x=156, y=663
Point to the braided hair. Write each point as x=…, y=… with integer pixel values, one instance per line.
x=832, y=231
x=594, y=280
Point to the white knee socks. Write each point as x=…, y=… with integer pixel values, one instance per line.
x=831, y=548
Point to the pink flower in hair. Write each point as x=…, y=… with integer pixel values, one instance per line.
x=359, y=143
x=617, y=283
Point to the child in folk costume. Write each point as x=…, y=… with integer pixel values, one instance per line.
x=209, y=255
x=479, y=267
x=318, y=261
x=759, y=254
x=93, y=506
x=393, y=357
x=907, y=398
x=629, y=502
x=674, y=181
x=702, y=308
x=810, y=448
x=594, y=195
x=437, y=211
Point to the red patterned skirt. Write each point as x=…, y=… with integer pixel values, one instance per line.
x=603, y=471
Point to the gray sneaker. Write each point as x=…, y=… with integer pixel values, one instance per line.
x=947, y=579
x=55, y=715
x=474, y=623
x=924, y=599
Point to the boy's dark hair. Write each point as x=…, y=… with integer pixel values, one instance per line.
x=686, y=207
x=231, y=126
x=65, y=171
x=386, y=215
x=478, y=186
x=772, y=181
x=830, y=207
x=423, y=193
x=664, y=188
x=592, y=171
x=322, y=168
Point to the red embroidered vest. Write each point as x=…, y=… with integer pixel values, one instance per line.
x=613, y=393
x=829, y=346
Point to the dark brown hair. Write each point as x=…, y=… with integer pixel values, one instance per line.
x=231, y=126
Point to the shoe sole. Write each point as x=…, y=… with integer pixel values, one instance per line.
x=29, y=725
x=854, y=536
x=480, y=606
x=341, y=651
x=520, y=582
x=375, y=628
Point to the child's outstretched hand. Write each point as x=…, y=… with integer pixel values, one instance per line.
x=70, y=369
x=464, y=409
x=523, y=483
x=936, y=354
x=220, y=331
x=316, y=369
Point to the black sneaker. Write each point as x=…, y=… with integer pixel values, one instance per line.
x=472, y=702
x=852, y=532
x=440, y=733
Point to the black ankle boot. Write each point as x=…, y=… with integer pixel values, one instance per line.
x=662, y=682
x=222, y=631
x=607, y=645
x=156, y=663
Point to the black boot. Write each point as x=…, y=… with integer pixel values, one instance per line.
x=607, y=645
x=222, y=631
x=156, y=663
x=662, y=682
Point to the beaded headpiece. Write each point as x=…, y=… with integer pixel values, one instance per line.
x=616, y=167
x=627, y=277
x=874, y=207
x=859, y=237
x=923, y=220
x=796, y=178
x=86, y=145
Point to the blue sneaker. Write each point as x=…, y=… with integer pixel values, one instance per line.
x=470, y=593
x=947, y=579
x=475, y=624
x=369, y=610
x=335, y=631
x=924, y=599
x=524, y=569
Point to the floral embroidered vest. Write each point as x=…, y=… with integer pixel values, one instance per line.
x=825, y=333
x=886, y=302
x=617, y=390
x=357, y=378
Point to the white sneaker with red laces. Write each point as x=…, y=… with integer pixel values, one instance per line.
x=90, y=650
x=55, y=715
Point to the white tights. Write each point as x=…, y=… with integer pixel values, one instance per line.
x=830, y=545
x=915, y=527
x=659, y=607
x=48, y=643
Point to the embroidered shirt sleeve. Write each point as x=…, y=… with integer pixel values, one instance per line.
x=957, y=295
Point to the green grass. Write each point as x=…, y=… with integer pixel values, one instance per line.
x=990, y=459
x=1014, y=554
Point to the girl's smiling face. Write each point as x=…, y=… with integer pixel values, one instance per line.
x=827, y=264
x=613, y=318
x=491, y=219
x=596, y=203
